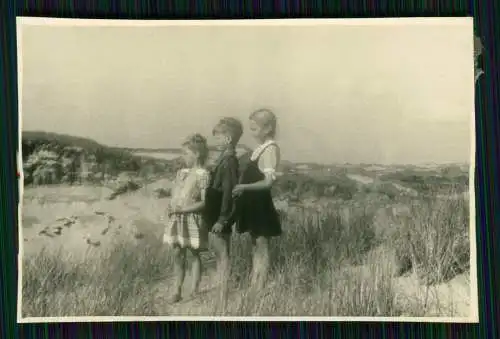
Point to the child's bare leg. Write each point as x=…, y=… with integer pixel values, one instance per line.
x=255, y=259
x=196, y=271
x=180, y=272
x=221, y=244
x=261, y=262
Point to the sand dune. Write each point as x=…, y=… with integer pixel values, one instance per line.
x=81, y=223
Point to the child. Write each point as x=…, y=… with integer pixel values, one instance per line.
x=219, y=209
x=256, y=212
x=185, y=229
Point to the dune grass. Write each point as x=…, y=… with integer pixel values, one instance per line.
x=116, y=283
x=323, y=265
x=437, y=239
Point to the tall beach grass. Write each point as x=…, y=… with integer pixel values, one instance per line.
x=325, y=264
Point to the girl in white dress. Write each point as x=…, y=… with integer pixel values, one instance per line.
x=185, y=229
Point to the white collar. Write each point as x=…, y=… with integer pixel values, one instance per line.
x=256, y=153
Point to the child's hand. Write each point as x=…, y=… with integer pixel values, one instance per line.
x=175, y=210
x=237, y=190
x=218, y=227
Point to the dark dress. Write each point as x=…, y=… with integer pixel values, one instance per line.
x=255, y=210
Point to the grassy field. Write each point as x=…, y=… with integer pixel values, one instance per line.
x=342, y=258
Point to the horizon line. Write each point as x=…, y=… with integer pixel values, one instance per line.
x=428, y=163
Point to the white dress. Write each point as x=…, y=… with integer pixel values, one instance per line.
x=188, y=230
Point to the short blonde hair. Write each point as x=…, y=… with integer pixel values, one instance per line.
x=198, y=144
x=265, y=118
x=230, y=126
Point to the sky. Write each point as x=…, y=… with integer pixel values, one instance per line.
x=342, y=93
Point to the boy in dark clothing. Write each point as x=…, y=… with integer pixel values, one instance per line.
x=219, y=204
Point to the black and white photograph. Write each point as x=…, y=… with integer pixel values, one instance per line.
x=247, y=170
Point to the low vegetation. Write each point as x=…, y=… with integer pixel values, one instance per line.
x=340, y=255
x=330, y=264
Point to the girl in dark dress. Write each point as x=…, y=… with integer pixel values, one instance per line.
x=255, y=210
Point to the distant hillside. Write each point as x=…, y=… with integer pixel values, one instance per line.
x=50, y=158
x=149, y=150
x=171, y=150
x=36, y=137
x=89, y=144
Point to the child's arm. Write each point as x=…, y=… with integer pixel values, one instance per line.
x=229, y=180
x=203, y=182
x=262, y=185
x=196, y=207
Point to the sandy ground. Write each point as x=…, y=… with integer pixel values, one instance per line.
x=79, y=220
x=405, y=189
x=360, y=178
x=452, y=297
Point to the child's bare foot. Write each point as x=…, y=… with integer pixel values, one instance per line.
x=175, y=298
